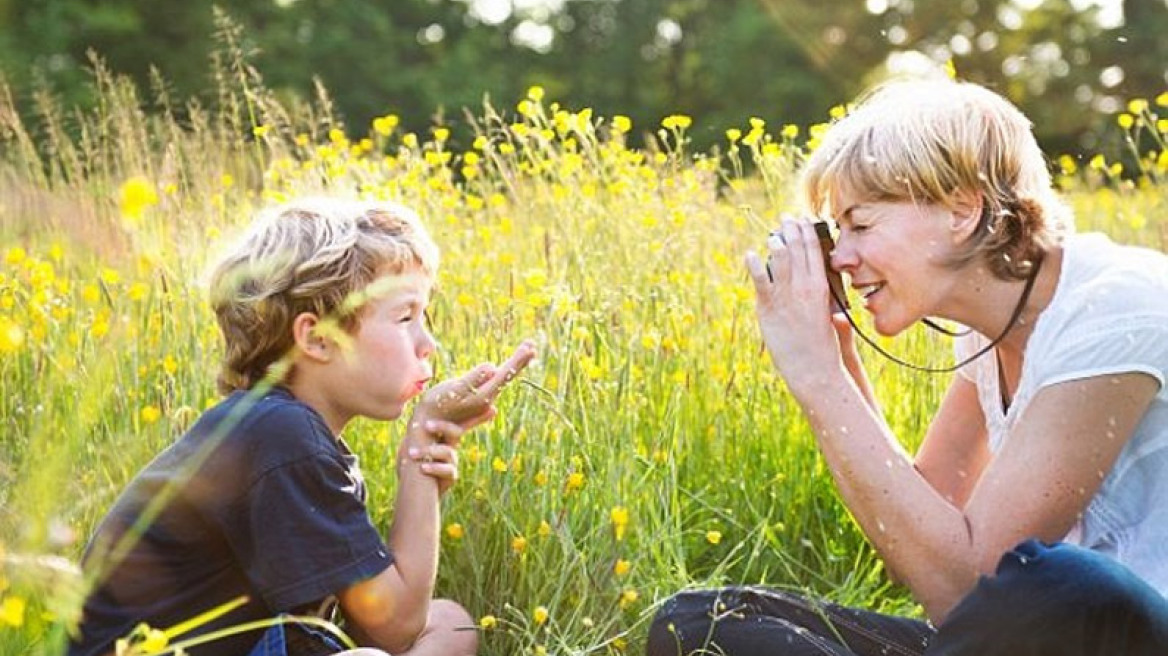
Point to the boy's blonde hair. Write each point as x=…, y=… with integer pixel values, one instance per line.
x=313, y=255
x=933, y=141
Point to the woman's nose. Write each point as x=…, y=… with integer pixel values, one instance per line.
x=843, y=256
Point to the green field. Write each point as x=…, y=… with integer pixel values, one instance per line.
x=650, y=448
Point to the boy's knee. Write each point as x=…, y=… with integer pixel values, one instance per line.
x=454, y=626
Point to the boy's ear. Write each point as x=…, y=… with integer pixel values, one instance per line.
x=965, y=215
x=308, y=340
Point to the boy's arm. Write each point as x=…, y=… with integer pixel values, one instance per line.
x=390, y=610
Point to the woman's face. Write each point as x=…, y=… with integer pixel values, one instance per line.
x=893, y=252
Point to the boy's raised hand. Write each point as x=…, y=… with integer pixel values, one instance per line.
x=469, y=399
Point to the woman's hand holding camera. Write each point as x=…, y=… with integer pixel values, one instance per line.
x=793, y=303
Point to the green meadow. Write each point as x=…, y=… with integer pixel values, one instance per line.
x=650, y=448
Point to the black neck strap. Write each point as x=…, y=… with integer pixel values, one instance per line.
x=986, y=349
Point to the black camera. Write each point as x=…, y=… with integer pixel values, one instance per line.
x=834, y=281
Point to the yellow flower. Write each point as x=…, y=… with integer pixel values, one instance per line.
x=620, y=521
x=535, y=93
x=384, y=125
x=541, y=478
x=713, y=537
x=134, y=197
x=575, y=482
x=150, y=414
x=138, y=291
x=15, y=256
x=440, y=134
x=488, y=622
x=11, y=336
x=1125, y=120
x=455, y=531
x=12, y=611
x=950, y=69
x=260, y=131
x=540, y=650
x=518, y=544
x=622, y=567
x=154, y=642
x=790, y=131
x=1137, y=106
x=676, y=122
x=628, y=598
x=544, y=529
x=1162, y=99
x=499, y=465
x=540, y=615
x=622, y=124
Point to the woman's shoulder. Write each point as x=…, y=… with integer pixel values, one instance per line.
x=1105, y=281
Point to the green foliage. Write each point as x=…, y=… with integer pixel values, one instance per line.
x=429, y=60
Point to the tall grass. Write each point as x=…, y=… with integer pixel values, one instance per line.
x=650, y=449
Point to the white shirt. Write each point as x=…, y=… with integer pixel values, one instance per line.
x=1109, y=315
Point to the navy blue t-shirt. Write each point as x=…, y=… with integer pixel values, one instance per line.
x=264, y=502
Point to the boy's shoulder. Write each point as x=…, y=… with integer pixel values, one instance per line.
x=266, y=430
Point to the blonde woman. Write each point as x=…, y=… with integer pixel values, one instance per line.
x=1033, y=520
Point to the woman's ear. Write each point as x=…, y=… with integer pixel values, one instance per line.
x=309, y=341
x=965, y=215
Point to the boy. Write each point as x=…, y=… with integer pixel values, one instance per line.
x=322, y=312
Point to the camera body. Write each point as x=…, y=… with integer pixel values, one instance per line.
x=839, y=299
x=834, y=281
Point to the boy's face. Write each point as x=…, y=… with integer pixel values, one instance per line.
x=385, y=363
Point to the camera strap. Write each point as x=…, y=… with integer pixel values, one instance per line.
x=986, y=349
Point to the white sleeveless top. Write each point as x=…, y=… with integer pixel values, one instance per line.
x=1109, y=315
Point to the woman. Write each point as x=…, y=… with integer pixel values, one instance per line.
x=1034, y=517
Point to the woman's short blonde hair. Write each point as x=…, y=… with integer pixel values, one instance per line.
x=940, y=141
x=312, y=255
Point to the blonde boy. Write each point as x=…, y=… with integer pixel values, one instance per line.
x=262, y=498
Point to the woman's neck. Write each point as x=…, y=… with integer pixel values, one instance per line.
x=986, y=303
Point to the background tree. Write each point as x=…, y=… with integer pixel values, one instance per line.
x=721, y=61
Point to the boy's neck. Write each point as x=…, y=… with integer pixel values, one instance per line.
x=312, y=396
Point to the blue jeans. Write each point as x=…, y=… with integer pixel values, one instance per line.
x=295, y=639
x=1044, y=600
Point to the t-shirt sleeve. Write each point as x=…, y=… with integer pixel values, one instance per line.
x=302, y=531
x=1100, y=348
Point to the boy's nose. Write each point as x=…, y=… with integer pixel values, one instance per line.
x=426, y=344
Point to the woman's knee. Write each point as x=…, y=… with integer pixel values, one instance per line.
x=1043, y=598
x=680, y=618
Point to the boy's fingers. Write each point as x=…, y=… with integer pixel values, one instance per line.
x=506, y=372
x=443, y=470
x=446, y=432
